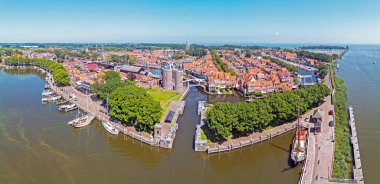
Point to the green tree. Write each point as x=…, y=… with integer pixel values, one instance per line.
x=132, y=105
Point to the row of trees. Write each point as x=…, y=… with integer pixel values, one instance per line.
x=59, y=73
x=322, y=70
x=281, y=63
x=197, y=52
x=219, y=64
x=342, y=153
x=313, y=55
x=178, y=55
x=326, y=47
x=226, y=120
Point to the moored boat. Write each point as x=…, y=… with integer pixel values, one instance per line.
x=299, y=147
x=82, y=121
x=110, y=128
x=67, y=107
x=47, y=92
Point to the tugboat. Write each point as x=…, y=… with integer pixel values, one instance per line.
x=299, y=147
x=299, y=144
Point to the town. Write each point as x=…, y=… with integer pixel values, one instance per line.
x=154, y=80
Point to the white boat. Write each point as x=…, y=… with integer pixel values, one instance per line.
x=66, y=107
x=82, y=121
x=337, y=66
x=44, y=100
x=110, y=128
x=47, y=92
x=54, y=98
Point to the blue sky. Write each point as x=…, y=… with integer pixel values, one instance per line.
x=200, y=21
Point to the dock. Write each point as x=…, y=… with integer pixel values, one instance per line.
x=357, y=164
x=86, y=104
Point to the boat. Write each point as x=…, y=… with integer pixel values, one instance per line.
x=299, y=147
x=298, y=152
x=47, y=92
x=54, y=98
x=67, y=107
x=82, y=121
x=110, y=128
x=337, y=66
x=44, y=100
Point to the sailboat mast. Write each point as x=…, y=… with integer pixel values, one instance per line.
x=298, y=124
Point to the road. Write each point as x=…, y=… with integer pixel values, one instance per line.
x=321, y=147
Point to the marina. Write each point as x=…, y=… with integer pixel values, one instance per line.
x=122, y=153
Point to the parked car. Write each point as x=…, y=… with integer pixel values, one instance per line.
x=331, y=112
x=306, y=119
x=331, y=123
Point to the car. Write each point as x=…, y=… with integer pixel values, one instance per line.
x=306, y=119
x=331, y=123
x=331, y=112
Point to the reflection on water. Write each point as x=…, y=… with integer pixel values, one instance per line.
x=37, y=146
x=362, y=80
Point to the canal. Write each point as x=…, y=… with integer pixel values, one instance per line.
x=37, y=146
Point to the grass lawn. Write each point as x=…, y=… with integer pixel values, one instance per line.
x=164, y=97
x=203, y=136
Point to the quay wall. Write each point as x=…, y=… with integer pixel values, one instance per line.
x=243, y=143
x=357, y=164
x=125, y=130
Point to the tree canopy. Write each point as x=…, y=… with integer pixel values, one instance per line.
x=108, y=83
x=132, y=105
x=219, y=64
x=59, y=73
x=226, y=120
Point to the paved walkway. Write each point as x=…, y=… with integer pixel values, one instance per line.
x=85, y=103
x=318, y=167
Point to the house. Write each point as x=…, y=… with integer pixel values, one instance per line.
x=317, y=115
x=91, y=67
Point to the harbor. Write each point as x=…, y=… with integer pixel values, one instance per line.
x=76, y=99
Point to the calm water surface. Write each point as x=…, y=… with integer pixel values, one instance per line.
x=362, y=79
x=37, y=146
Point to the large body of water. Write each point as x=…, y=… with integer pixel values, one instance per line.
x=362, y=79
x=37, y=146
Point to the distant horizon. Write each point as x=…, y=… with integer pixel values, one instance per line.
x=201, y=21
x=199, y=43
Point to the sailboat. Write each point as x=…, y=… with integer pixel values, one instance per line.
x=108, y=126
x=83, y=120
x=298, y=153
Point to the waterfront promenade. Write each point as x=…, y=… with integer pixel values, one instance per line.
x=318, y=167
x=85, y=103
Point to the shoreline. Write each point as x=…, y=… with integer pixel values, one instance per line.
x=90, y=109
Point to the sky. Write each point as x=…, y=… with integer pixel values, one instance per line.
x=200, y=21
